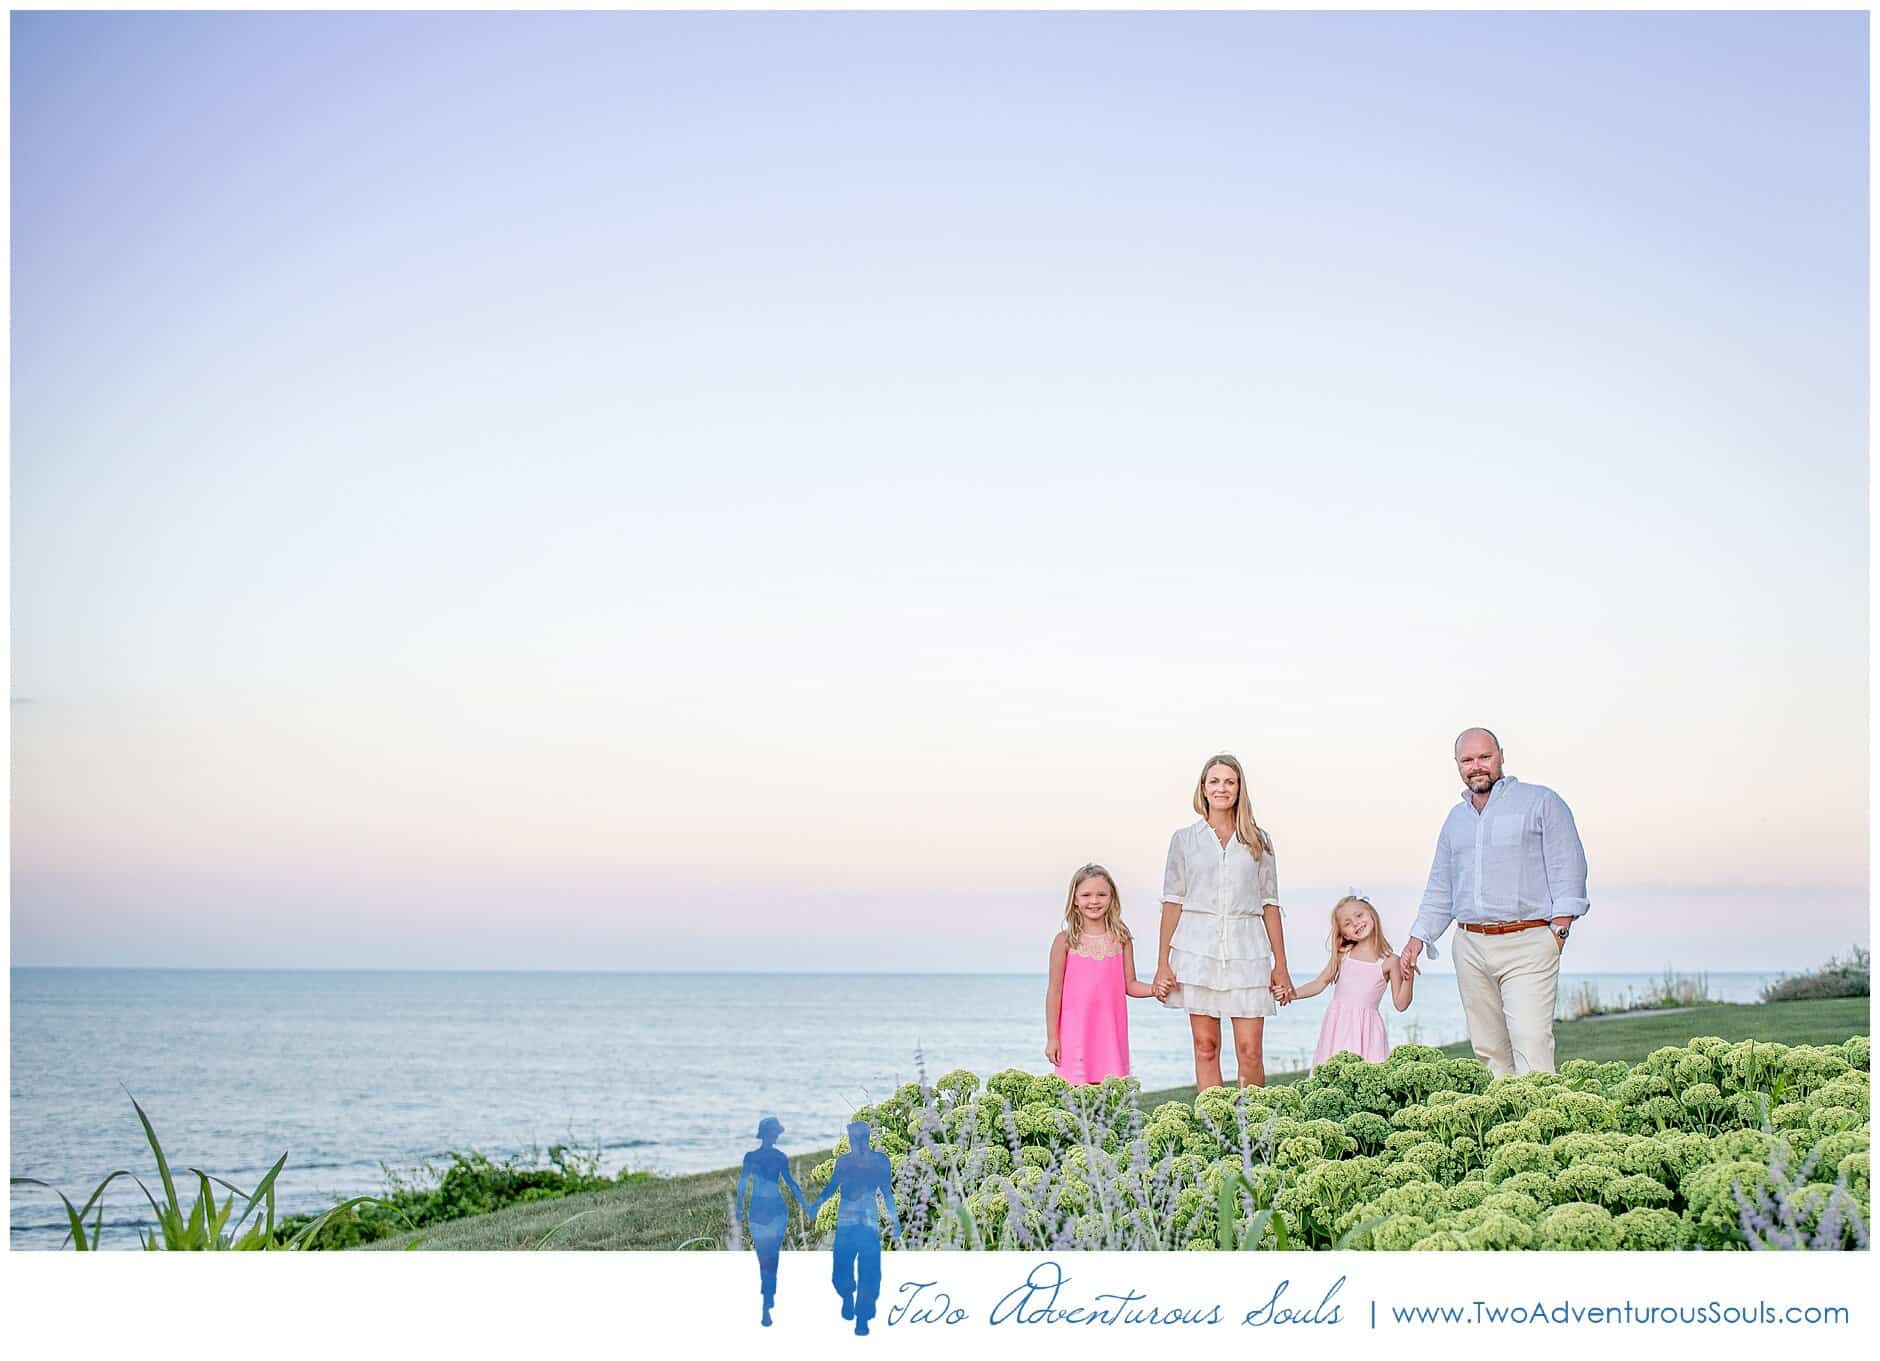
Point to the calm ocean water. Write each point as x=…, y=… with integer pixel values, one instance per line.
x=347, y=1071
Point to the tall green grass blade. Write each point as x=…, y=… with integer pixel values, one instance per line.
x=73, y=1216
x=1226, y=1210
x=1255, y=1236
x=95, y=1199
x=1281, y=1238
x=155, y=1208
x=163, y=1165
x=968, y=1230
x=1357, y=1231
x=218, y=1214
x=542, y=1242
x=195, y=1235
x=263, y=1194
x=303, y=1241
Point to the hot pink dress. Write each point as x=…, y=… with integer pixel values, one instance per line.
x=1093, y=1020
x=1352, y=1023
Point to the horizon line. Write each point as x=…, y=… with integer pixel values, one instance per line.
x=696, y=973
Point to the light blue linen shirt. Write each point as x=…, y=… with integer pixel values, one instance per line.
x=1518, y=859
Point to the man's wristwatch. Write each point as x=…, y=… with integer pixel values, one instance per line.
x=1561, y=932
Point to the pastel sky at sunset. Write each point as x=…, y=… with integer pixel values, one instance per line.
x=646, y=491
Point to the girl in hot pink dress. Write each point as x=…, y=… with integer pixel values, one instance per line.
x=1093, y=971
x=1361, y=967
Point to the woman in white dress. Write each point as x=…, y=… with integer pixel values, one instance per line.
x=1223, y=952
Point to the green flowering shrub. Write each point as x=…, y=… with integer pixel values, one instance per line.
x=1585, y=1181
x=1635, y=1191
x=1710, y=1145
x=1399, y=1233
x=957, y=1086
x=1367, y=1129
x=1649, y=1230
x=1467, y=1195
x=1328, y=1103
x=1712, y=1198
x=1523, y=1155
x=1519, y=1204
x=1536, y=1186
x=1500, y=1232
x=1853, y=1172
x=1578, y=1227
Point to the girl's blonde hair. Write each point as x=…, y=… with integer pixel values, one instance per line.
x=1338, y=941
x=1251, y=834
x=1112, y=920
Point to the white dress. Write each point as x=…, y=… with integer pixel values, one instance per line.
x=1222, y=959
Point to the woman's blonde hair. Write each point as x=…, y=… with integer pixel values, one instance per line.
x=1338, y=941
x=1251, y=834
x=1112, y=920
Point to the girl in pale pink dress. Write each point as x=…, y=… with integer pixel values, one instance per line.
x=1361, y=967
x=1093, y=971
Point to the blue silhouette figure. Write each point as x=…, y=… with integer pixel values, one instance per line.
x=861, y=1174
x=769, y=1214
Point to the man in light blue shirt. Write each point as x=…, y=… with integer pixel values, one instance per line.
x=1511, y=874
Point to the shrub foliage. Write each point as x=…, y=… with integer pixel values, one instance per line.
x=1705, y=1145
x=1849, y=977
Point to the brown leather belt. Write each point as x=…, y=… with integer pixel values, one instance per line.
x=1499, y=928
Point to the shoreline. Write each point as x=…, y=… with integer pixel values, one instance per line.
x=329, y=1173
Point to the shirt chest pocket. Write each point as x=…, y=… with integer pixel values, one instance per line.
x=1505, y=830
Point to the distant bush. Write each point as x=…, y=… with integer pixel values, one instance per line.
x=1837, y=978
x=473, y=1184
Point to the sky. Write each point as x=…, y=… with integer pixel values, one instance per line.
x=645, y=491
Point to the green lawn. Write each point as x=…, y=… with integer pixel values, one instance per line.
x=671, y=1211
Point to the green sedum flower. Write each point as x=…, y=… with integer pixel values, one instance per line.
x=1649, y=1230
x=1578, y=1227
x=1500, y=1232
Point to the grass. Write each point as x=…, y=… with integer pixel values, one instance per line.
x=669, y=1212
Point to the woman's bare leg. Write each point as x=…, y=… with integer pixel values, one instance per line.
x=1207, y=1033
x=1249, y=1050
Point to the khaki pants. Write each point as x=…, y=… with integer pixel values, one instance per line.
x=1508, y=983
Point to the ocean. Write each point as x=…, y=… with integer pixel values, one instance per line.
x=352, y=1072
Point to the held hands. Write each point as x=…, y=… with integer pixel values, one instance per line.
x=1282, y=986
x=1164, y=980
x=1409, y=956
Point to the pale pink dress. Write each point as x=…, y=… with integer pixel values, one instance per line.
x=1093, y=1019
x=1352, y=1022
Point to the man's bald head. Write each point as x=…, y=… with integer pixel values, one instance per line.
x=1468, y=734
